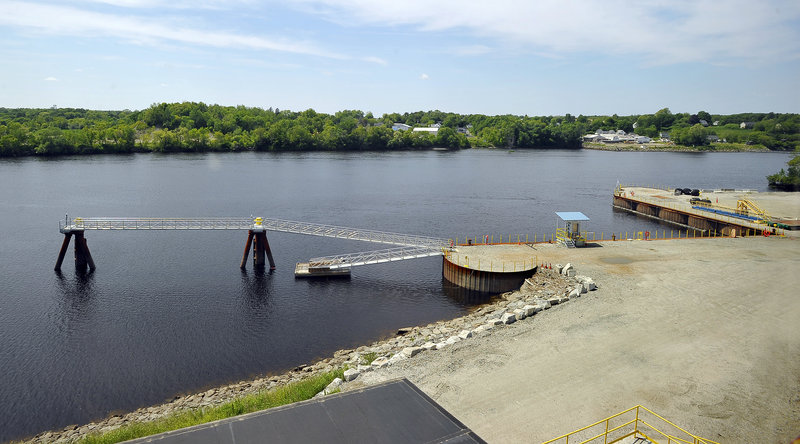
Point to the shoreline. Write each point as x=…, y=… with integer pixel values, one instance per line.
x=545, y=289
x=588, y=146
x=665, y=148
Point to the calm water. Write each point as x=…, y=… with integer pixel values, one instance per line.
x=170, y=312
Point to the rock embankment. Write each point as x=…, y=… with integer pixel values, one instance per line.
x=548, y=287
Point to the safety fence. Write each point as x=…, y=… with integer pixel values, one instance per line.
x=602, y=236
x=637, y=422
x=479, y=264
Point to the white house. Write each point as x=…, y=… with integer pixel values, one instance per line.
x=400, y=127
x=432, y=131
x=642, y=139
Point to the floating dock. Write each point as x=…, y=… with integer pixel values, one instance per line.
x=304, y=270
x=726, y=212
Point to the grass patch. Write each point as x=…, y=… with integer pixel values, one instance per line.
x=367, y=358
x=298, y=391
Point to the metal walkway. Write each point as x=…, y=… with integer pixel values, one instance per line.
x=250, y=223
x=406, y=246
x=373, y=257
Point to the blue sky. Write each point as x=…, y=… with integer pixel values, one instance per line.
x=547, y=57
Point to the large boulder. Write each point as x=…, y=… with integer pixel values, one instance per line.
x=452, y=340
x=508, y=318
x=397, y=358
x=381, y=362
x=351, y=374
x=529, y=310
x=334, y=385
x=411, y=351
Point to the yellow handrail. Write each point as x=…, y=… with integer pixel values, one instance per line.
x=640, y=427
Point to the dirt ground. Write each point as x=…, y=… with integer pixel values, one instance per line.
x=704, y=332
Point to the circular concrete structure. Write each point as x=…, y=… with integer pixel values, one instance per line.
x=490, y=268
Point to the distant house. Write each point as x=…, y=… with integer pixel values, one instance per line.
x=432, y=131
x=712, y=138
x=747, y=125
x=592, y=138
x=462, y=130
x=642, y=139
x=703, y=122
x=716, y=123
x=400, y=127
x=664, y=135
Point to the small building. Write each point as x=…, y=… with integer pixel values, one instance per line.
x=400, y=127
x=642, y=139
x=664, y=135
x=712, y=138
x=569, y=230
x=431, y=131
x=747, y=125
x=703, y=122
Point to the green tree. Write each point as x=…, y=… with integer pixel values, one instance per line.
x=787, y=180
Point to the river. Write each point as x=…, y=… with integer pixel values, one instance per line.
x=167, y=313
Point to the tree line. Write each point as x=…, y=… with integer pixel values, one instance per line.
x=193, y=126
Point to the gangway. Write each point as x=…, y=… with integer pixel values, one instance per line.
x=373, y=257
x=748, y=206
x=405, y=246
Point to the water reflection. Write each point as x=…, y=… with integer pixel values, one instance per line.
x=257, y=286
x=77, y=303
x=79, y=289
x=465, y=296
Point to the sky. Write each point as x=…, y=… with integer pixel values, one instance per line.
x=546, y=57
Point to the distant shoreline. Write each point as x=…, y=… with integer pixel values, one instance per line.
x=662, y=147
x=588, y=146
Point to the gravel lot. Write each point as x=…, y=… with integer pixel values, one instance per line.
x=704, y=332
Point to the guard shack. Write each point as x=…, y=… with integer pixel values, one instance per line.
x=568, y=230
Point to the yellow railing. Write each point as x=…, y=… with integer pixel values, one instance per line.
x=463, y=260
x=638, y=421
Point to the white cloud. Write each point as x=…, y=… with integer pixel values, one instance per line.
x=659, y=31
x=377, y=60
x=424, y=76
x=50, y=79
x=60, y=20
x=174, y=4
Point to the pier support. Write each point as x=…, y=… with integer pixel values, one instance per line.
x=83, y=257
x=261, y=250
